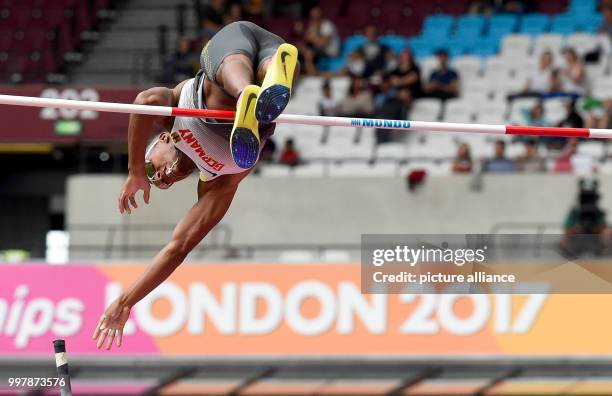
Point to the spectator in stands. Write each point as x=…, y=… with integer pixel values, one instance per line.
x=233, y=14
x=563, y=163
x=289, y=156
x=572, y=120
x=444, y=81
x=606, y=25
x=407, y=74
x=267, y=152
x=390, y=62
x=573, y=75
x=396, y=107
x=321, y=40
x=211, y=17
x=183, y=64
x=499, y=162
x=463, y=160
x=355, y=64
x=539, y=83
x=328, y=105
x=358, y=102
x=598, y=113
x=383, y=93
x=535, y=116
x=531, y=162
x=373, y=51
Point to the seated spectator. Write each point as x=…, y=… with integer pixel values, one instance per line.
x=598, y=113
x=573, y=75
x=572, y=120
x=535, y=116
x=183, y=64
x=531, y=162
x=321, y=40
x=289, y=156
x=540, y=82
x=267, y=152
x=373, y=51
x=395, y=107
x=443, y=82
x=390, y=62
x=383, y=93
x=499, y=162
x=328, y=105
x=211, y=17
x=463, y=160
x=563, y=163
x=358, y=102
x=355, y=64
x=407, y=74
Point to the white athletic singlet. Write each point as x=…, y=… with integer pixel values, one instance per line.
x=205, y=142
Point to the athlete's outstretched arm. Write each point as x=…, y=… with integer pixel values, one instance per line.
x=139, y=130
x=214, y=199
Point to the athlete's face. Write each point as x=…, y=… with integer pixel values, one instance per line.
x=167, y=162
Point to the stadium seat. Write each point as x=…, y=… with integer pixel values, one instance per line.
x=502, y=24
x=458, y=110
x=428, y=65
x=467, y=66
x=335, y=256
x=437, y=25
x=515, y=46
x=393, y=150
x=361, y=169
x=548, y=42
x=554, y=109
x=469, y=27
x=563, y=24
x=273, y=170
x=592, y=149
x=603, y=88
x=476, y=90
x=426, y=110
x=518, y=107
x=296, y=256
x=312, y=169
x=485, y=47
x=534, y=24
x=582, y=42
x=491, y=113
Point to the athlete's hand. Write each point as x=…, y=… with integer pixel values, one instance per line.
x=132, y=185
x=111, y=325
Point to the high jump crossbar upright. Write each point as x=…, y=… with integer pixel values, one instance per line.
x=419, y=126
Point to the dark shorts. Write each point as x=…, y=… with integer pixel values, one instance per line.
x=240, y=37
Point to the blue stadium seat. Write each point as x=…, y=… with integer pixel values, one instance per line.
x=422, y=48
x=485, y=47
x=396, y=43
x=588, y=23
x=534, y=24
x=563, y=24
x=582, y=7
x=507, y=21
x=469, y=26
x=352, y=43
x=437, y=22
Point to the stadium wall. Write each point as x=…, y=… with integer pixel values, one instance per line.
x=337, y=210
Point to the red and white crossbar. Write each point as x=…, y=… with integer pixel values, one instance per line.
x=421, y=126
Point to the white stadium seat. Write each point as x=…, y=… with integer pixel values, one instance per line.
x=515, y=46
x=313, y=169
x=275, y=170
x=517, y=108
x=594, y=150
x=492, y=113
x=548, y=42
x=554, y=109
x=458, y=110
x=426, y=109
x=391, y=150
x=362, y=169
x=428, y=65
x=581, y=42
x=296, y=256
x=467, y=66
x=476, y=91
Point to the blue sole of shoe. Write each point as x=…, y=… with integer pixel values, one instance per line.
x=245, y=147
x=271, y=103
